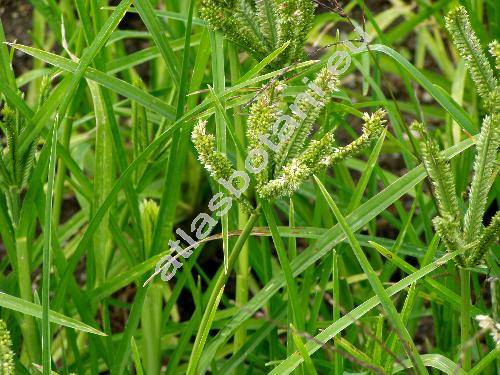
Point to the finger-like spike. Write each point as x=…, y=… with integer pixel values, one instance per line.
x=469, y=47
x=263, y=115
x=488, y=142
x=495, y=52
x=306, y=109
x=440, y=175
x=262, y=26
x=490, y=235
x=288, y=182
x=6, y=353
x=215, y=162
x=448, y=229
x=372, y=128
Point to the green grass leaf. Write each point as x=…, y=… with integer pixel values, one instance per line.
x=378, y=288
x=24, y=307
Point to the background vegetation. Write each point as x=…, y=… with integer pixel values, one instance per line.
x=348, y=275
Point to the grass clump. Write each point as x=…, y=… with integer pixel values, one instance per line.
x=183, y=189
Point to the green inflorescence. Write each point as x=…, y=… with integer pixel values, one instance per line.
x=262, y=26
x=469, y=47
x=6, y=353
x=455, y=228
x=294, y=160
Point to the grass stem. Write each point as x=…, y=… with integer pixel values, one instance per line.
x=214, y=299
x=465, y=321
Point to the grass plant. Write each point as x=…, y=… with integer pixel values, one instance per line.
x=313, y=220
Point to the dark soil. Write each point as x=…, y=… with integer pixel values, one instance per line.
x=16, y=16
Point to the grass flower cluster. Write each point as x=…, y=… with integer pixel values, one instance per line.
x=263, y=26
x=457, y=230
x=294, y=160
x=6, y=354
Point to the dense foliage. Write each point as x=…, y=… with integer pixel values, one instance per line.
x=240, y=186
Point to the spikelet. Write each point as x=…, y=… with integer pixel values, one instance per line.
x=6, y=353
x=489, y=236
x=488, y=142
x=288, y=182
x=469, y=47
x=267, y=12
x=495, y=52
x=308, y=107
x=440, y=174
x=215, y=162
x=263, y=114
x=295, y=19
x=448, y=229
x=372, y=128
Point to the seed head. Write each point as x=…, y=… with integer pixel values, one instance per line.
x=215, y=162
x=6, y=353
x=469, y=47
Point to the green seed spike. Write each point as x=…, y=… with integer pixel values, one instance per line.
x=495, y=52
x=488, y=142
x=6, y=353
x=249, y=19
x=448, y=229
x=267, y=12
x=299, y=169
x=489, y=236
x=440, y=174
x=492, y=101
x=296, y=17
x=372, y=128
x=263, y=114
x=215, y=162
x=288, y=182
x=226, y=17
x=469, y=47
x=318, y=156
x=318, y=151
x=261, y=26
x=306, y=109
